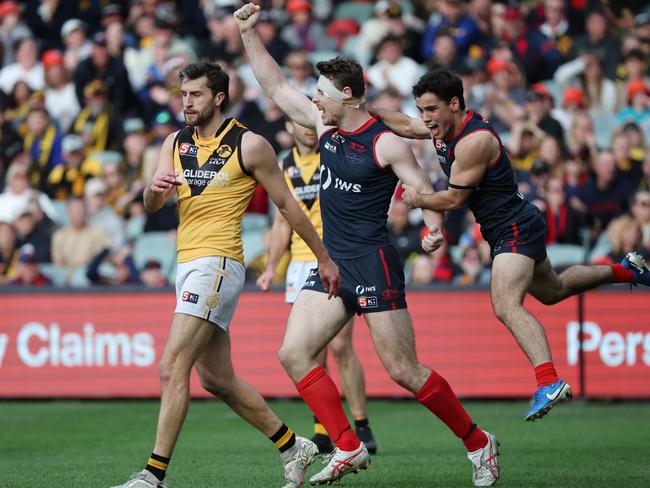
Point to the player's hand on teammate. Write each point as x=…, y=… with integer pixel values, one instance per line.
x=164, y=181
x=433, y=240
x=246, y=17
x=265, y=280
x=330, y=276
x=411, y=196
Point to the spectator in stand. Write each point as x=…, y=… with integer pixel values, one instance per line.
x=523, y=144
x=539, y=105
x=634, y=68
x=606, y=194
x=77, y=243
x=12, y=29
x=36, y=228
x=113, y=268
x=641, y=213
x=100, y=65
x=628, y=161
x=100, y=213
x=586, y=72
x=598, y=41
x=97, y=123
x=472, y=270
x=645, y=181
x=537, y=53
x=151, y=274
x=563, y=222
x=451, y=16
x=392, y=68
x=626, y=236
x=134, y=144
x=43, y=144
x=60, y=98
x=8, y=253
x=18, y=105
x=437, y=267
x=581, y=134
x=402, y=233
x=17, y=193
x=27, y=272
x=301, y=72
x=642, y=30
x=575, y=171
x=573, y=101
x=638, y=107
x=10, y=142
x=268, y=31
x=69, y=179
x=303, y=31
x=446, y=52
x=388, y=19
x=77, y=45
x=504, y=97
x=26, y=68
x=556, y=25
x=224, y=43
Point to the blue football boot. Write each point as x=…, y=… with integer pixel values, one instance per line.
x=546, y=398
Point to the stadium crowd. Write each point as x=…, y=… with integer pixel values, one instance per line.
x=89, y=90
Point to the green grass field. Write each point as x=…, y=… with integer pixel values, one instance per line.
x=98, y=444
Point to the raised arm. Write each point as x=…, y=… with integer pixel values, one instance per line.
x=279, y=243
x=164, y=180
x=394, y=152
x=473, y=156
x=291, y=101
x=258, y=157
x=402, y=124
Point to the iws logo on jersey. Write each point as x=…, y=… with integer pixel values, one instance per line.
x=190, y=297
x=367, y=302
x=187, y=149
x=339, y=184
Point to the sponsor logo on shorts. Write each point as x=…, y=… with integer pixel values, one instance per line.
x=367, y=302
x=211, y=301
x=313, y=272
x=391, y=294
x=190, y=297
x=187, y=149
x=361, y=289
x=309, y=283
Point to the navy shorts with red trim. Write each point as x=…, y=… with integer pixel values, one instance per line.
x=370, y=283
x=526, y=235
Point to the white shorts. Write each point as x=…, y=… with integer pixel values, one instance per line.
x=209, y=288
x=297, y=274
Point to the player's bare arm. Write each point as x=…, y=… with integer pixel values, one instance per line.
x=292, y=102
x=394, y=152
x=473, y=156
x=402, y=124
x=279, y=242
x=164, y=180
x=259, y=158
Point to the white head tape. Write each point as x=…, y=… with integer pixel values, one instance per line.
x=330, y=91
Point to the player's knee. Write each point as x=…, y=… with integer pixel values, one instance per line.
x=287, y=356
x=172, y=369
x=216, y=385
x=401, y=374
x=503, y=310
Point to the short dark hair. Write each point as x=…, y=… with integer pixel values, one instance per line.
x=218, y=79
x=343, y=71
x=442, y=83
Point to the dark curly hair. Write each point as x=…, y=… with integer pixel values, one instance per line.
x=443, y=84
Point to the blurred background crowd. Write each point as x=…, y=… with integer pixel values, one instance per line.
x=90, y=89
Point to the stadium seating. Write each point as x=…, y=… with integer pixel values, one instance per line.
x=155, y=245
x=359, y=11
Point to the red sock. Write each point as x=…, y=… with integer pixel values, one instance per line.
x=320, y=393
x=545, y=374
x=621, y=274
x=438, y=397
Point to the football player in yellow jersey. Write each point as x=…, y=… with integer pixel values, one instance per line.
x=302, y=172
x=214, y=164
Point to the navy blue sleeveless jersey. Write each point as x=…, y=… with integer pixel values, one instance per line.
x=496, y=203
x=355, y=192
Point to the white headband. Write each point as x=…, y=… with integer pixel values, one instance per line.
x=330, y=91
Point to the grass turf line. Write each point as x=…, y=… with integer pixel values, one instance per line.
x=98, y=444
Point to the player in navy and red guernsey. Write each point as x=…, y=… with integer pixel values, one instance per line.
x=361, y=164
x=480, y=176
